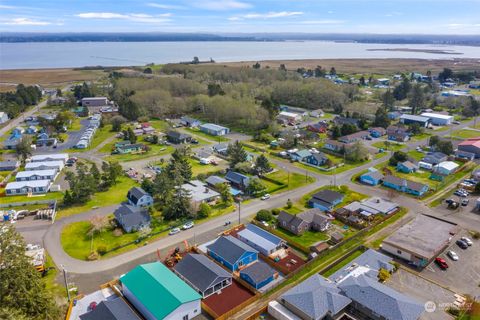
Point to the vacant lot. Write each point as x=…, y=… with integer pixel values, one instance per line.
x=45, y=77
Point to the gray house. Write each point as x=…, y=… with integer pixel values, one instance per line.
x=138, y=197
x=202, y=274
x=9, y=165
x=312, y=219
x=132, y=218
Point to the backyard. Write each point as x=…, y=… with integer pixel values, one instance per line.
x=155, y=150
x=388, y=145
x=199, y=134
x=465, y=134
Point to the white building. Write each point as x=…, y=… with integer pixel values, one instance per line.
x=3, y=117
x=50, y=174
x=438, y=119
x=50, y=157
x=446, y=168
x=46, y=165
x=290, y=116
x=25, y=187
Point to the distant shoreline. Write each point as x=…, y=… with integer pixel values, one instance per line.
x=433, y=51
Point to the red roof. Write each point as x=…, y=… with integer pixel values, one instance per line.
x=471, y=142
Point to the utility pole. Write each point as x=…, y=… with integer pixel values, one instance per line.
x=65, y=281
x=239, y=210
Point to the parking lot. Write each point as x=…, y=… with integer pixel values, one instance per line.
x=467, y=217
x=462, y=276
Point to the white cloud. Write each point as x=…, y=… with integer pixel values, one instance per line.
x=4, y=6
x=222, y=5
x=268, y=15
x=26, y=22
x=326, y=21
x=136, y=17
x=164, y=6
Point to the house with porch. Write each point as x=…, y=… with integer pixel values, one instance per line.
x=404, y=185
x=316, y=159
x=407, y=167
x=325, y=200
x=232, y=253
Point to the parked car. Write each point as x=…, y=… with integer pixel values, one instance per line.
x=174, y=231
x=462, y=244
x=441, y=263
x=265, y=197
x=461, y=193
x=188, y=225
x=465, y=202
x=467, y=241
x=453, y=255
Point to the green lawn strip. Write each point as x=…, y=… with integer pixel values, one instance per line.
x=197, y=133
x=198, y=168
x=47, y=196
x=116, y=194
x=465, y=134
x=50, y=283
x=76, y=125
x=100, y=135
x=160, y=125
x=340, y=265
x=347, y=166
x=439, y=200
x=417, y=155
x=391, y=146
x=155, y=150
x=292, y=181
x=421, y=136
x=306, y=239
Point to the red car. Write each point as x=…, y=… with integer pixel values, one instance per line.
x=441, y=263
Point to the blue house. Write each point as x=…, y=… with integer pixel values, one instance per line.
x=31, y=130
x=232, y=253
x=300, y=155
x=18, y=131
x=43, y=136
x=325, y=200
x=237, y=180
x=258, y=274
x=377, y=132
x=214, y=129
x=189, y=122
x=373, y=177
x=407, y=186
x=406, y=167
x=316, y=159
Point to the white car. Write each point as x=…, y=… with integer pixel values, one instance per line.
x=265, y=197
x=467, y=241
x=188, y=225
x=453, y=255
x=174, y=231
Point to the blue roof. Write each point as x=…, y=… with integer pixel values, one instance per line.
x=236, y=177
x=303, y=153
x=260, y=237
x=214, y=127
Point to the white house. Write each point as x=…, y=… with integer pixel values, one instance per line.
x=438, y=119
x=25, y=187
x=290, y=117
x=50, y=157
x=3, y=117
x=50, y=174
x=445, y=167
x=138, y=197
x=46, y=165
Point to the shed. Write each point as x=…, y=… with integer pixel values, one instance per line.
x=258, y=274
x=214, y=129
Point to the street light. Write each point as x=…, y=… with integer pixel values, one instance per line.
x=239, y=202
x=65, y=281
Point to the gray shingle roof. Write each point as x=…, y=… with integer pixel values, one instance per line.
x=130, y=216
x=381, y=299
x=328, y=196
x=260, y=237
x=135, y=193
x=258, y=271
x=200, y=271
x=316, y=297
x=115, y=309
x=214, y=180
x=230, y=249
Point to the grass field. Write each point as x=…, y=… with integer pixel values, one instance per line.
x=306, y=239
x=199, y=134
x=465, y=134
x=155, y=150
x=294, y=180
x=391, y=146
x=48, y=196
x=345, y=167
x=198, y=168
x=421, y=136
x=417, y=155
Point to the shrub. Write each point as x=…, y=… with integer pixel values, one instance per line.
x=275, y=211
x=264, y=215
x=92, y=256
x=383, y=275
x=204, y=210
x=102, y=249
x=289, y=204
x=475, y=235
x=117, y=232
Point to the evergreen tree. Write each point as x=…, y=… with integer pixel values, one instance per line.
x=131, y=135
x=333, y=72
x=162, y=186
x=401, y=91
x=24, y=148
x=336, y=132
x=148, y=186
x=236, y=153
x=262, y=165
x=256, y=66
x=381, y=118
x=177, y=205
x=255, y=186
x=23, y=295
x=417, y=98
x=225, y=193
x=388, y=100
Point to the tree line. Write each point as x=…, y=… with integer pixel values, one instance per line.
x=14, y=103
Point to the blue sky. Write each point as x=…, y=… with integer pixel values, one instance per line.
x=218, y=16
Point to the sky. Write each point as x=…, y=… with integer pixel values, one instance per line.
x=243, y=16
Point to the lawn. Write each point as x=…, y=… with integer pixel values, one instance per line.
x=306, y=239
x=421, y=136
x=198, y=168
x=48, y=196
x=100, y=135
x=465, y=134
x=417, y=155
x=155, y=150
x=336, y=160
x=114, y=195
x=292, y=180
x=160, y=125
x=388, y=145
x=76, y=125
x=340, y=265
x=197, y=133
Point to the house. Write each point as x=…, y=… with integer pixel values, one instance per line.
x=57, y=165
x=202, y=274
x=138, y=197
x=50, y=157
x=407, y=167
x=318, y=113
x=214, y=129
x=394, y=115
x=366, y=292
x=26, y=187
x=407, y=186
x=312, y=219
x=157, y=293
x=411, y=119
x=232, y=253
x=178, y=137
x=464, y=155
x=373, y=177
x=129, y=148
x=109, y=309
x=261, y=240
x=258, y=274
x=335, y=146
x=50, y=174
x=316, y=159
x=199, y=192
x=339, y=121
x=148, y=130
x=289, y=117
x=354, y=137
x=377, y=132
x=9, y=165
x=221, y=148
x=300, y=155
x=12, y=142
x=434, y=235
x=137, y=132
x=3, y=117
x=189, y=122
x=31, y=130
x=445, y=168
x=319, y=127
x=18, y=131
x=367, y=208
x=471, y=145
x=325, y=200
x=213, y=181
x=301, y=111
x=435, y=158
x=97, y=104
x=315, y=298
x=237, y=180
x=132, y=218
x=398, y=133
x=425, y=165
x=438, y=119
x=43, y=136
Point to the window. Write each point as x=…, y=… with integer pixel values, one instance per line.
x=399, y=252
x=185, y=317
